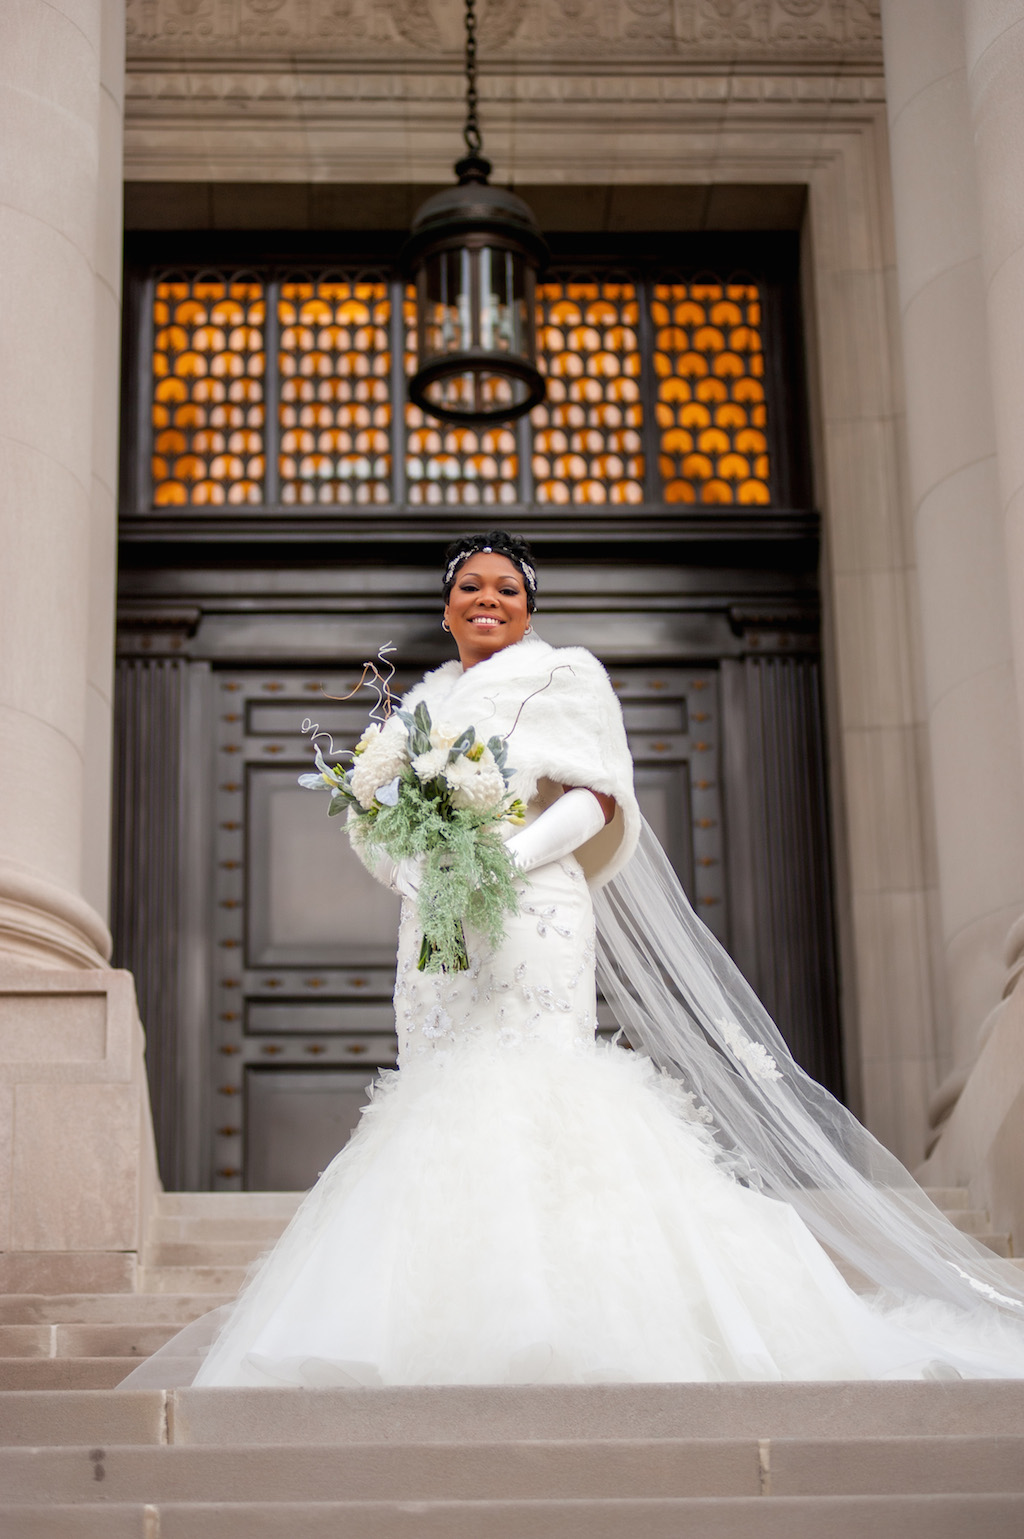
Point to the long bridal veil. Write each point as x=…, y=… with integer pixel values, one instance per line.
x=680, y=999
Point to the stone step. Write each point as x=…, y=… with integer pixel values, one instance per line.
x=57, y=1373
x=551, y=1470
x=219, y=1253
x=999, y=1243
x=231, y=1205
x=970, y=1220
x=753, y=1517
x=174, y=1230
x=225, y=1281
x=52, y=1418
x=948, y=1197
x=464, y=1414
x=120, y=1340
x=105, y=1308
x=471, y=1414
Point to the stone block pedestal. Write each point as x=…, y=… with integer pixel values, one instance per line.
x=78, y=1173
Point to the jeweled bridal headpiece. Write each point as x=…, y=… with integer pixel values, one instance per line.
x=529, y=575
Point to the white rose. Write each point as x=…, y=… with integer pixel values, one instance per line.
x=474, y=785
x=442, y=736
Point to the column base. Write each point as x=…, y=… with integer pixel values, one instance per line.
x=43, y=925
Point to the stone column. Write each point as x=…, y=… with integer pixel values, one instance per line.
x=61, y=73
x=994, y=36
x=77, y=1164
x=973, y=739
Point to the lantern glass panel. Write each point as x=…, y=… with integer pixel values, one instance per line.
x=504, y=301
x=445, y=304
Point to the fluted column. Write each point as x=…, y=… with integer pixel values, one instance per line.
x=973, y=739
x=61, y=72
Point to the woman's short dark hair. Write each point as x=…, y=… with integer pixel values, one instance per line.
x=500, y=543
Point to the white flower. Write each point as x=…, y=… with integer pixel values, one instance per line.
x=479, y=786
x=443, y=735
x=378, y=763
x=755, y=1058
x=429, y=765
x=372, y=733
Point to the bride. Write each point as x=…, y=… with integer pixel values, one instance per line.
x=524, y=1204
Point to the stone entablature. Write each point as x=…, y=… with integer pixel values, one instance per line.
x=693, y=32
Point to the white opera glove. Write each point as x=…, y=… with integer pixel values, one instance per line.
x=401, y=876
x=408, y=875
x=561, y=828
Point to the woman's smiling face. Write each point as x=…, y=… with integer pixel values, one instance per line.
x=486, y=608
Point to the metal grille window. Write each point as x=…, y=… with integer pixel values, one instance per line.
x=335, y=396
x=587, y=438
x=711, y=409
x=207, y=398
x=659, y=393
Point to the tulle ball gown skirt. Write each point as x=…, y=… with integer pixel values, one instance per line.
x=523, y=1204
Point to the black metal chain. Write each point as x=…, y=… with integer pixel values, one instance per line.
x=471, y=132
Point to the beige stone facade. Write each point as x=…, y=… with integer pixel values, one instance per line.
x=908, y=140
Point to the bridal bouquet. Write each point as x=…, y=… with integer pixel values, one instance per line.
x=416, y=789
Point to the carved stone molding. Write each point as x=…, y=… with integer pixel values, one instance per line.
x=422, y=30
x=148, y=88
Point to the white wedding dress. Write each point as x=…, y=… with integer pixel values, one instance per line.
x=523, y=1204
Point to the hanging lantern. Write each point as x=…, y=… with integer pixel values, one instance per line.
x=473, y=254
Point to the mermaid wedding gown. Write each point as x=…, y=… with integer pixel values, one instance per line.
x=523, y=1203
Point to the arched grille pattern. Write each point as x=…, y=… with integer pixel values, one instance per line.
x=656, y=395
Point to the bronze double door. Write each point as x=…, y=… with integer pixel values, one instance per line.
x=264, y=953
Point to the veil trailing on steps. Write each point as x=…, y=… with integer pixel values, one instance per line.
x=681, y=999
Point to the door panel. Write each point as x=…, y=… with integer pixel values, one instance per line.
x=310, y=900
x=297, y=1121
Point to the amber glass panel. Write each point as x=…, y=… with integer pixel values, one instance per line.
x=207, y=408
x=455, y=466
x=587, y=444
x=709, y=362
x=335, y=409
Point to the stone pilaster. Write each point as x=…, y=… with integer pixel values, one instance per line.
x=973, y=740
x=994, y=34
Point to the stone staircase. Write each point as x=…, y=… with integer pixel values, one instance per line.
x=603, y=1461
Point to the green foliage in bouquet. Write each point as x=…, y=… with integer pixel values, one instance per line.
x=443, y=797
x=467, y=877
